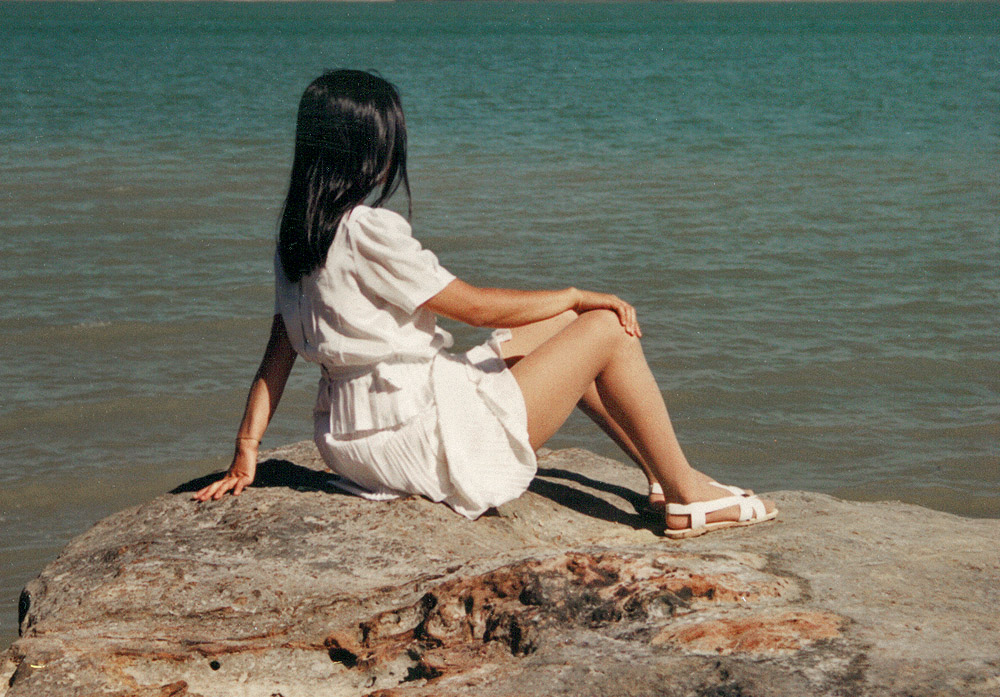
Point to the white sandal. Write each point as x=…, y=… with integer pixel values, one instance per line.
x=656, y=490
x=734, y=490
x=752, y=511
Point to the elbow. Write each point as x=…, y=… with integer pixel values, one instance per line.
x=479, y=316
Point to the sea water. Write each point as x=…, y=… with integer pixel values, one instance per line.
x=802, y=201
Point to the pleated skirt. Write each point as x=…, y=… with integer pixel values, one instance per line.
x=452, y=429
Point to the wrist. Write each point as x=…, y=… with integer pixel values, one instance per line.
x=247, y=443
x=575, y=297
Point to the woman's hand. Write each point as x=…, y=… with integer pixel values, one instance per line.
x=239, y=476
x=589, y=300
x=265, y=393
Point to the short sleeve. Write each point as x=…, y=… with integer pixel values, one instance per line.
x=390, y=262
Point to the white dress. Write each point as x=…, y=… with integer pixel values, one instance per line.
x=395, y=412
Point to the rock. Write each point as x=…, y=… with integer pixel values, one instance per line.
x=294, y=588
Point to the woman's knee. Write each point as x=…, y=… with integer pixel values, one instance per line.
x=607, y=325
x=529, y=337
x=564, y=319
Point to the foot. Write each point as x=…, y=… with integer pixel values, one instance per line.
x=657, y=501
x=702, y=491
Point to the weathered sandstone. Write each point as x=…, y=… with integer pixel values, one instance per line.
x=295, y=589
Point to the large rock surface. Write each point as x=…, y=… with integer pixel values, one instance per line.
x=295, y=589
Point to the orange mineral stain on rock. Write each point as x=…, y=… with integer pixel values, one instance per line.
x=757, y=634
x=468, y=627
x=727, y=588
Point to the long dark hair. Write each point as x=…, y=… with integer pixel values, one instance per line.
x=350, y=138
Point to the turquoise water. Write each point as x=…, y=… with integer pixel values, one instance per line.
x=803, y=202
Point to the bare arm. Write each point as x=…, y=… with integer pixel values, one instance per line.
x=503, y=307
x=265, y=393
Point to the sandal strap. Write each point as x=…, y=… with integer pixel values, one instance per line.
x=750, y=507
x=734, y=490
x=657, y=490
x=699, y=509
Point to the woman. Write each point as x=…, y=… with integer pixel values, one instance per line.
x=396, y=413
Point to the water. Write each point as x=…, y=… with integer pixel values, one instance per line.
x=801, y=200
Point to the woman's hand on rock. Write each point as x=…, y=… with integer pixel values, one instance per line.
x=240, y=475
x=589, y=300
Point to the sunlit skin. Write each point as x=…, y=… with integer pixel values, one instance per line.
x=529, y=337
x=588, y=351
x=569, y=348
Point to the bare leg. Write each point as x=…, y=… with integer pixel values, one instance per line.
x=529, y=337
x=593, y=349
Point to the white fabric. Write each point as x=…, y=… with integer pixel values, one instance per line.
x=396, y=413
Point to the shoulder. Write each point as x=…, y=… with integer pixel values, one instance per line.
x=380, y=223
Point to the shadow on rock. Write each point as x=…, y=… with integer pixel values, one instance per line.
x=586, y=503
x=283, y=473
x=634, y=499
x=273, y=473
